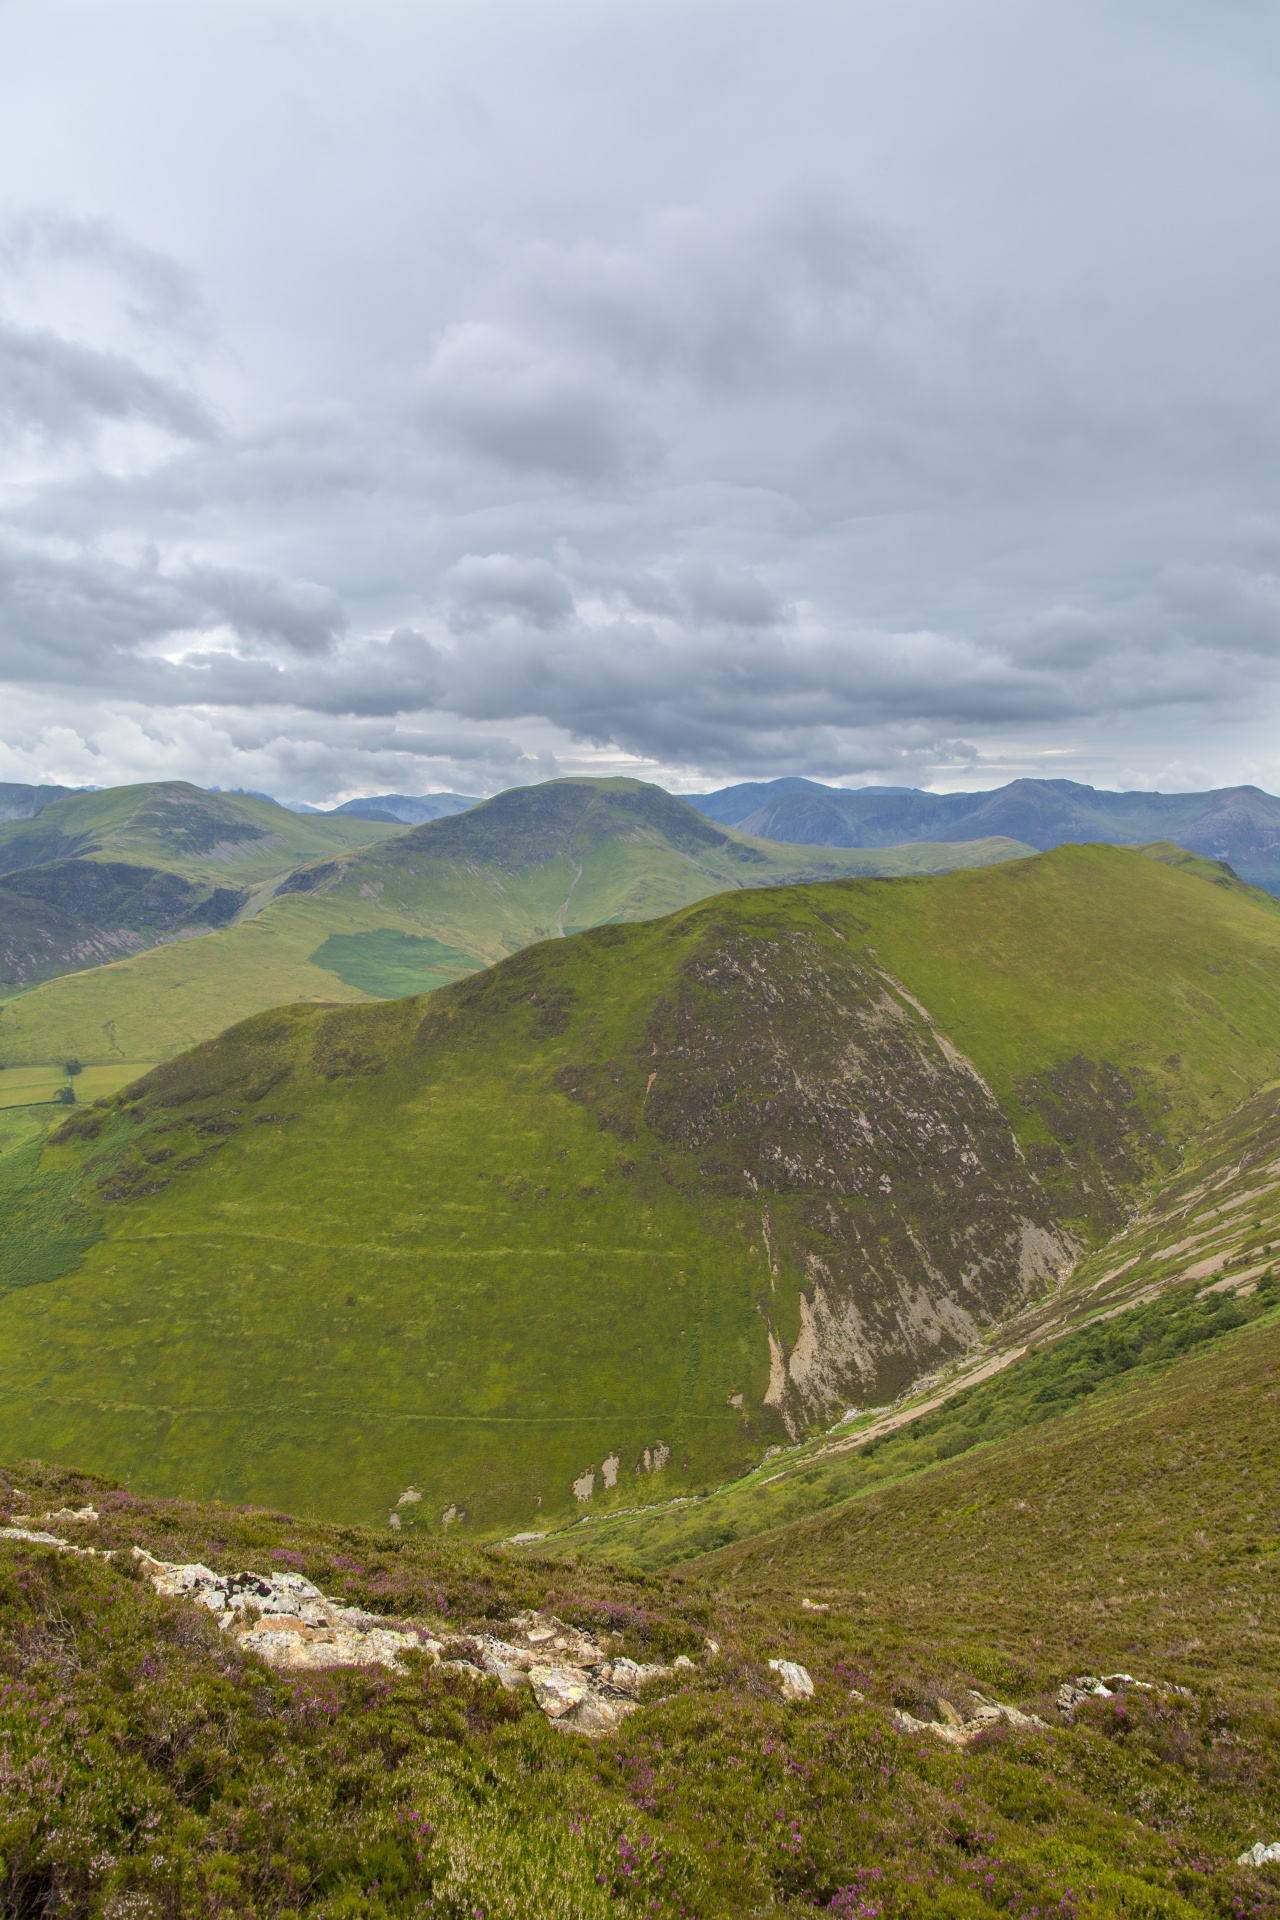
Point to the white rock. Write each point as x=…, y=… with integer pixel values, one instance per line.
x=40, y=1539
x=505, y=1663
x=797, y=1683
x=594, y=1716
x=557, y=1689
x=991, y=1713
x=1260, y=1854
x=628, y=1676
x=954, y=1736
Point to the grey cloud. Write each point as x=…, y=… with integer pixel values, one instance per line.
x=61, y=389
x=160, y=293
x=306, y=618
x=481, y=585
x=738, y=598
x=101, y=621
x=727, y=676
x=501, y=399
x=837, y=417
x=733, y=305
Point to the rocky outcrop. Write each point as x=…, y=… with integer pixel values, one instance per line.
x=1087, y=1686
x=283, y=1618
x=958, y=1728
x=288, y=1622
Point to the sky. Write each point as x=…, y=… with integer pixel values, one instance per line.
x=446, y=395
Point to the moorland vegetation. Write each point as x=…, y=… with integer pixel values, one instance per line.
x=154, y=1769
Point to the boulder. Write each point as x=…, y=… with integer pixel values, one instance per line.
x=796, y=1681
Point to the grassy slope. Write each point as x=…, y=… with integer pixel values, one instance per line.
x=224, y=838
x=99, y=875
x=480, y=886
x=1071, y=1535
x=1165, y=1282
x=1136, y=1534
x=432, y=1266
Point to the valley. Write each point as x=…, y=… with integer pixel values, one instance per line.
x=955, y=1752
x=596, y=1227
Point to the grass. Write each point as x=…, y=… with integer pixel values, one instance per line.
x=1107, y=1357
x=388, y=964
x=553, y=1216
x=100, y=875
x=29, y=1086
x=42, y=1085
x=150, y=1769
x=474, y=888
x=1198, y=1261
x=223, y=838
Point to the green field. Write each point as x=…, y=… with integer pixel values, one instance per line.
x=99, y=877
x=426, y=906
x=631, y=1207
x=31, y=1086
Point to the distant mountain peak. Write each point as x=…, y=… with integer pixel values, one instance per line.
x=1240, y=824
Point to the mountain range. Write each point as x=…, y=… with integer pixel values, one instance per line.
x=292, y=907
x=409, y=809
x=1238, y=824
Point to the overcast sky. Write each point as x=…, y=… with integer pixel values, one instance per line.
x=450, y=394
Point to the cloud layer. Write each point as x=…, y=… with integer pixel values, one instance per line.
x=459, y=395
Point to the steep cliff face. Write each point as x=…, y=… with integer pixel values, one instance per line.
x=785, y=1072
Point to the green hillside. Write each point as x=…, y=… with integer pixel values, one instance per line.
x=92, y=877
x=222, y=838
x=1202, y=1259
x=424, y=907
x=151, y=1768
x=69, y=915
x=629, y=1208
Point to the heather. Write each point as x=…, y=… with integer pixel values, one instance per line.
x=150, y=1769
